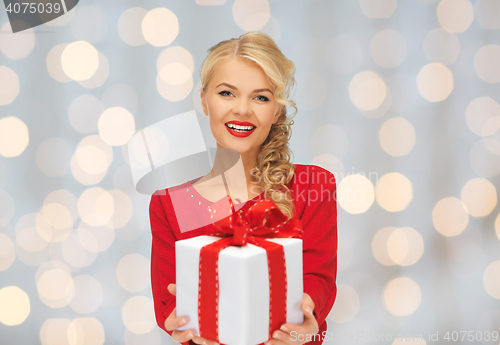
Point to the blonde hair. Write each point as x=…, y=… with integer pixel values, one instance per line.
x=273, y=169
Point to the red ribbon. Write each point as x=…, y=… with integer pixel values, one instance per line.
x=262, y=220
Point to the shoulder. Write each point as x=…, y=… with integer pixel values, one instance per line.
x=313, y=175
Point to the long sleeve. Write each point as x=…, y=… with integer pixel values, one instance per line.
x=319, y=222
x=162, y=262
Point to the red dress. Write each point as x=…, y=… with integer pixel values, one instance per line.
x=314, y=194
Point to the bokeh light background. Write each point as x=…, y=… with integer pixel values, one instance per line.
x=400, y=99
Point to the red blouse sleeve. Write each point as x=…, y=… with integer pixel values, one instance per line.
x=162, y=261
x=319, y=222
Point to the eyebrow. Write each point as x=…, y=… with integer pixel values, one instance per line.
x=235, y=88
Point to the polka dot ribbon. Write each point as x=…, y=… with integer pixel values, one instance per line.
x=262, y=220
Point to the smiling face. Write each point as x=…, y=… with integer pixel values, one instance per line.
x=240, y=94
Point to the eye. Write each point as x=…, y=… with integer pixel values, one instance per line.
x=263, y=98
x=222, y=93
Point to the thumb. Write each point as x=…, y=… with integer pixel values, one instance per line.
x=171, y=288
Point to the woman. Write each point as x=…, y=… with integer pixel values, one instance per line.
x=245, y=86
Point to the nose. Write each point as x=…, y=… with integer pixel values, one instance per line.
x=243, y=107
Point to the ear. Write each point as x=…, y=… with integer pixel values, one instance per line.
x=278, y=113
x=203, y=103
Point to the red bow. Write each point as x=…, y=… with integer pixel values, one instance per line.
x=262, y=219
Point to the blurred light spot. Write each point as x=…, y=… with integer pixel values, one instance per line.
x=388, y=48
x=478, y=114
x=160, y=27
x=14, y=306
x=80, y=167
x=79, y=60
x=166, y=78
x=9, y=86
x=379, y=246
x=401, y=296
x=133, y=272
x=53, y=157
x=486, y=63
x=480, y=197
x=130, y=26
x=343, y=54
x=312, y=90
x=330, y=139
x=56, y=288
x=14, y=135
x=450, y=216
x=487, y=13
x=32, y=258
x=346, y=306
x=57, y=215
x=54, y=331
x=84, y=112
x=441, y=45
x=7, y=210
x=116, y=126
x=397, y=246
x=86, y=331
x=151, y=338
x=138, y=315
x=7, y=252
x=100, y=75
x=210, y=2
x=397, y=136
x=75, y=254
x=88, y=294
x=330, y=163
x=394, y=192
x=96, y=206
x=455, y=15
x=176, y=55
x=54, y=63
x=175, y=73
x=378, y=8
x=491, y=279
x=28, y=235
x=123, y=203
x=435, y=82
x=251, y=15
x=89, y=24
x=355, y=193
x=120, y=95
x=367, y=90
x=95, y=239
x=14, y=46
x=482, y=161
x=91, y=159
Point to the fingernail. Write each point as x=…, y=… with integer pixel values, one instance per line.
x=182, y=322
x=276, y=335
x=189, y=335
x=309, y=310
x=204, y=342
x=284, y=329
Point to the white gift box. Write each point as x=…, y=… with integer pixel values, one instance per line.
x=243, y=288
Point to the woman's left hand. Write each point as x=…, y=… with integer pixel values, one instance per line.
x=293, y=334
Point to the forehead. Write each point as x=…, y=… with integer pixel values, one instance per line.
x=244, y=76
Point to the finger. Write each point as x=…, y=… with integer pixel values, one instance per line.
x=182, y=336
x=283, y=337
x=171, y=288
x=307, y=309
x=173, y=322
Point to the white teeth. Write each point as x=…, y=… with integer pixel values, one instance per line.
x=240, y=128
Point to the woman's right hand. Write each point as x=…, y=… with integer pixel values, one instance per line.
x=173, y=322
